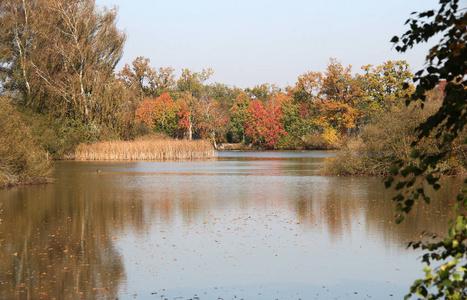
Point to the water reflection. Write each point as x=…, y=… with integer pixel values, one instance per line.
x=247, y=222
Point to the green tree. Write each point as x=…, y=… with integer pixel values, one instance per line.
x=263, y=92
x=238, y=115
x=447, y=62
x=193, y=82
x=382, y=86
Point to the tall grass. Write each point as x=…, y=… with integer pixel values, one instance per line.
x=152, y=149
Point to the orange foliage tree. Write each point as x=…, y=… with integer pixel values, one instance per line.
x=160, y=114
x=339, y=97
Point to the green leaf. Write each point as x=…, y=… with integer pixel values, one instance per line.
x=400, y=185
x=394, y=170
x=427, y=199
x=399, y=207
x=457, y=277
x=452, y=232
x=415, y=153
x=399, y=219
x=447, y=283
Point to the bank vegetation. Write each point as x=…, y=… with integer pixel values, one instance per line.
x=388, y=139
x=146, y=149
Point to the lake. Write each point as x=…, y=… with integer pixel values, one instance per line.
x=249, y=225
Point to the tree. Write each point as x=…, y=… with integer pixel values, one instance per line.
x=263, y=125
x=383, y=86
x=150, y=82
x=447, y=61
x=338, y=98
x=238, y=115
x=160, y=114
x=193, y=82
x=60, y=55
x=308, y=87
x=211, y=121
x=186, y=115
x=263, y=92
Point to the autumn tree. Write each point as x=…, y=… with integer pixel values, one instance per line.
x=186, y=115
x=338, y=98
x=211, y=121
x=148, y=81
x=59, y=55
x=382, y=86
x=308, y=87
x=263, y=125
x=192, y=87
x=160, y=114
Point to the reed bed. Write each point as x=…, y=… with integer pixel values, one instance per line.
x=146, y=150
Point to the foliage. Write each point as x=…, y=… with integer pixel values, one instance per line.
x=146, y=80
x=21, y=160
x=385, y=140
x=263, y=125
x=193, y=82
x=211, y=121
x=160, y=114
x=186, y=115
x=263, y=92
x=382, y=86
x=447, y=61
x=238, y=115
x=59, y=55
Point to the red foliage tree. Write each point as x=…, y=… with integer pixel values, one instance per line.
x=263, y=124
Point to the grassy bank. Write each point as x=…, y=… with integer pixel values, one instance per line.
x=146, y=149
x=21, y=160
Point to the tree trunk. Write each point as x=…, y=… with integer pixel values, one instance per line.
x=213, y=135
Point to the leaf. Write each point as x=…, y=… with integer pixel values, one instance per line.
x=394, y=170
x=415, y=153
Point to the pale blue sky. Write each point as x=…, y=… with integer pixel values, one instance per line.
x=265, y=41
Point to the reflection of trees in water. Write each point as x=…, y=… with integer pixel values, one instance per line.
x=423, y=217
x=343, y=202
x=58, y=242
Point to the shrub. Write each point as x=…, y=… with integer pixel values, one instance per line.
x=21, y=160
x=388, y=139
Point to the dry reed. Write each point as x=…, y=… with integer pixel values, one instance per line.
x=146, y=150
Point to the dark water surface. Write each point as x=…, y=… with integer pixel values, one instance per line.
x=246, y=226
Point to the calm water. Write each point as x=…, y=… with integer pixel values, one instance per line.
x=247, y=226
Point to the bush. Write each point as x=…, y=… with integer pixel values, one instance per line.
x=21, y=160
x=388, y=139
x=288, y=142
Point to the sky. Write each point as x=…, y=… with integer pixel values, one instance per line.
x=251, y=42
